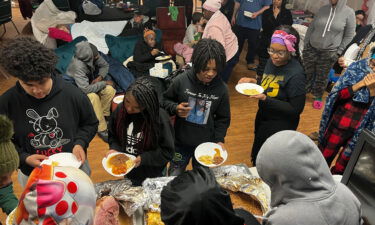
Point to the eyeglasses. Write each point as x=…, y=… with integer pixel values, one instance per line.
x=278, y=53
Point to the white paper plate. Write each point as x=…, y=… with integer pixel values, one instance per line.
x=207, y=148
x=118, y=99
x=63, y=159
x=109, y=170
x=241, y=87
x=12, y=215
x=163, y=57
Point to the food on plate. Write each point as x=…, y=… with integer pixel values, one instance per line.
x=215, y=159
x=107, y=211
x=154, y=218
x=251, y=92
x=163, y=57
x=205, y=159
x=119, y=163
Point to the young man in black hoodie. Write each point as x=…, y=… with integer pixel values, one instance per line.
x=200, y=100
x=49, y=115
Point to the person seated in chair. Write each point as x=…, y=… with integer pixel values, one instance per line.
x=89, y=71
x=145, y=52
x=138, y=23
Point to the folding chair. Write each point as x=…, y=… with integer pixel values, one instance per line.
x=6, y=15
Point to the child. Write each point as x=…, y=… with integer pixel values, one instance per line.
x=9, y=162
x=140, y=128
x=207, y=91
x=194, y=30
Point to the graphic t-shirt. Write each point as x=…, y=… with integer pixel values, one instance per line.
x=282, y=83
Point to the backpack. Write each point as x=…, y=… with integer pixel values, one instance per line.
x=92, y=7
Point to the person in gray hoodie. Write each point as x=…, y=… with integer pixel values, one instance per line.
x=303, y=191
x=89, y=71
x=326, y=38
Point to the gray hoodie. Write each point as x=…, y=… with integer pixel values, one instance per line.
x=303, y=191
x=332, y=28
x=82, y=68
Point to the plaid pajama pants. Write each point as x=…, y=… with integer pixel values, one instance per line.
x=341, y=128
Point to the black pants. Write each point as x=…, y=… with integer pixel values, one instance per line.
x=265, y=128
x=225, y=74
x=252, y=37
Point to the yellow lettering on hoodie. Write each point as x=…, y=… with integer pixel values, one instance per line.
x=270, y=83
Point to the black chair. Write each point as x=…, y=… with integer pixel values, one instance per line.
x=6, y=15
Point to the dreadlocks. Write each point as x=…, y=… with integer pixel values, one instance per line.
x=144, y=93
x=206, y=50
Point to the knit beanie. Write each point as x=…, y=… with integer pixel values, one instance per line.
x=9, y=159
x=212, y=5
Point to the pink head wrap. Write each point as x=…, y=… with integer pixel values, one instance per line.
x=212, y=5
x=283, y=38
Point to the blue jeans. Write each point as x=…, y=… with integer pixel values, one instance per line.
x=181, y=159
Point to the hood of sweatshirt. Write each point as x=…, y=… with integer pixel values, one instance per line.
x=307, y=177
x=303, y=191
x=84, y=53
x=333, y=27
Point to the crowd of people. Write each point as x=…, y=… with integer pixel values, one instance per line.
x=161, y=125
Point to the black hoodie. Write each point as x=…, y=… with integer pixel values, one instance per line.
x=54, y=124
x=195, y=198
x=209, y=119
x=153, y=160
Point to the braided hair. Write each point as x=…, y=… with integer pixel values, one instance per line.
x=206, y=50
x=146, y=96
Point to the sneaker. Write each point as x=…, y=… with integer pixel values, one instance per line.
x=317, y=104
x=103, y=135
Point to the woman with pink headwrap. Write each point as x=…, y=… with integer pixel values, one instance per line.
x=284, y=86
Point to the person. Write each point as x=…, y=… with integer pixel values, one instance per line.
x=9, y=162
x=327, y=36
x=145, y=52
x=194, y=197
x=90, y=72
x=201, y=85
x=218, y=28
x=283, y=100
x=138, y=23
x=247, y=22
x=55, y=194
x=303, y=192
x=141, y=128
x=227, y=7
x=349, y=109
x=273, y=17
x=357, y=49
x=61, y=33
x=49, y=115
x=360, y=16
x=194, y=30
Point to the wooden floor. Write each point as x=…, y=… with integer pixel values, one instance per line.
x=240, y=134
